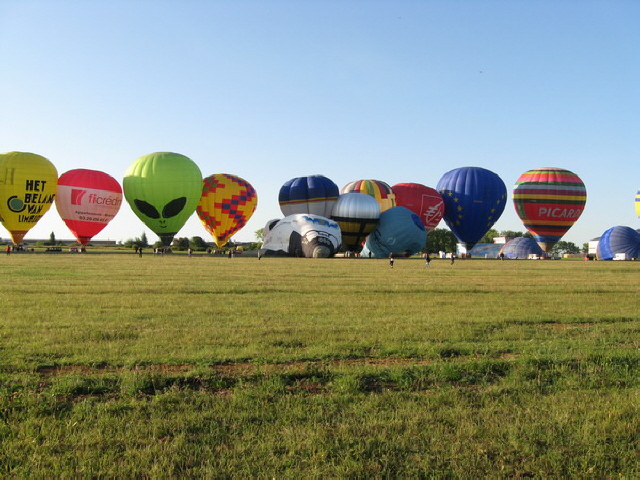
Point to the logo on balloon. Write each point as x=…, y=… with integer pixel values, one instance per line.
x=16, y=204
x=76, y=196
x=434, y=212
x=571, y=213
x=171, y=209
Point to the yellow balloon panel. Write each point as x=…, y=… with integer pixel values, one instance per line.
x=27, y=189
x=226, y=205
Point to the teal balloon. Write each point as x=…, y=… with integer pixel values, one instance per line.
x=399, y=231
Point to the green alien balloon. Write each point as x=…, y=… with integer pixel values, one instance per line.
x=163, y=189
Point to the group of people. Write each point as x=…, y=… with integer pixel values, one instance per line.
x=427, y=259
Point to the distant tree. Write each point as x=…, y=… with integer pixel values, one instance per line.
x=52, y=239
x=514, y=234
x=198, y=244
x=489, y=236
x=441, y=239
x=142, y=241
x=563, y=247
x=585, y=248
x=180, y=244
x=260, y=235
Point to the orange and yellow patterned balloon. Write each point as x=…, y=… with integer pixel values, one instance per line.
x=226, y=205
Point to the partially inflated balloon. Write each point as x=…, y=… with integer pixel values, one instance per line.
x=421, y=200
x=474, y=199
x=357, y=214
x=314, y=194
x=27, y=190
x=87, y=200
x=617, y=240
x=226, y=205
x=521, y=247
x=549, y=201
x=163, y=189
x=638, y=204
x=379, y=190
x=399, y=231
x=302, y=235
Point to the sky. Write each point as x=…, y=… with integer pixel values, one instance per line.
x=398, y=91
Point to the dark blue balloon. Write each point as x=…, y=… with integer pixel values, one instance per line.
x=314, y=194
x=474, y=198
x=619, y=240
x=521, y=247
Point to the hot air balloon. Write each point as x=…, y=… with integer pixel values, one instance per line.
x=422, y=200
x=163, y=189
x=302, y=235
x=87, y=200
x=474, y=199
x=226, y=204
x=521, y=247
x=357, y=214
x=399, y=231
x=381, y=191
x=638, y=204
x=619, y=240
x=312, y=194
x=27, y=190
x=549, y=201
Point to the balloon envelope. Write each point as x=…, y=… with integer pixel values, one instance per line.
x=381, y=191
x=399, y=231
x=312, y=194
x=619, y=240
x=87, y=200
x=226, y=205
x=521, y=247
x=638, y=204
x=302, y=235
x=474, y=199
x=163, y=189
x=424, y=201
x=549, y=201
x=27, y=190
x=357, y=214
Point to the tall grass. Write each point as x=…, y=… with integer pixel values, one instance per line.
x=119, y=365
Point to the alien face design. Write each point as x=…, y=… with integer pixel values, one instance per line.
x=171, y=209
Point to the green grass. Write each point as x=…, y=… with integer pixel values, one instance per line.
x=115, y=365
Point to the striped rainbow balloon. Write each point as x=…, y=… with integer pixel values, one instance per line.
x=378, y=189
x=549, y=201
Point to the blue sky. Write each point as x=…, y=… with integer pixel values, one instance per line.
x=399, y=91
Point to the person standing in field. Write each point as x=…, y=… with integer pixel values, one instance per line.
x=391, y=259
x=453, y=258
x=8, y=248
x=427, y=260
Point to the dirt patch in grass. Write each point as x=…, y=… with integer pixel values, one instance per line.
x=566, y=326
x=245, y=369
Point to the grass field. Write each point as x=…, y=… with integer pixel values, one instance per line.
x=115, y=365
